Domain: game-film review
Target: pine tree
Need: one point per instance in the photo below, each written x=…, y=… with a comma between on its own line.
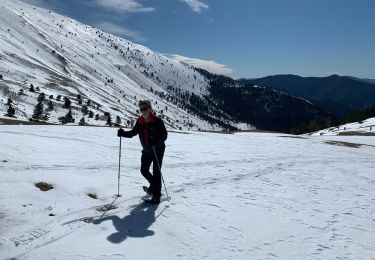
x=10, y=101
x=91, y=114
x=118, y=120
x=109, y=120
x=58, y=98
x=31, y=89
x=97, y=117
x=11, y=111
x=79, y=98
x=85, y=110
x=67, y=103
x=68, y=118
x=50, y=105
x=41, y=97
x=45, y=117
x=38, y=111
x=82, y=121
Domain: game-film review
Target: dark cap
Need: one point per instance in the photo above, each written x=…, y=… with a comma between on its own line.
x=144, y=103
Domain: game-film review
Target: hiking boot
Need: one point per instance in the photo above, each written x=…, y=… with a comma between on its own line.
x=155, y=199
x=147, y=190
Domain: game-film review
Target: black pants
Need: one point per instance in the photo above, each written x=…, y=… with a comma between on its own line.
x=148, y=157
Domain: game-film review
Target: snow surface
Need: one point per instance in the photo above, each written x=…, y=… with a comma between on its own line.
x=234, y=196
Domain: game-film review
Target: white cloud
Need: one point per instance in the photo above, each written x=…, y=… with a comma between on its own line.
x=47, y=4
x=208, y=65
x=33, y=2
x=195, y=5
x=116, y=29
x=126, y=6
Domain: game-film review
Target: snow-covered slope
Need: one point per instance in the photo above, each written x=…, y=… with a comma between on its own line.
x=365, y=127
x=270, y=197
x=63, y=57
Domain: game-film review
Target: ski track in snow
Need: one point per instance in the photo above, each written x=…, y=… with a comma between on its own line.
x=241, y=196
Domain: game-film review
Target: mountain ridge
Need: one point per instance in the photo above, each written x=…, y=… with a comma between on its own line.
x=337, y=94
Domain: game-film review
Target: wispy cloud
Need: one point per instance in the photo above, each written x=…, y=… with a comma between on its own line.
x=33, y=2
x=47, y=4
x=196, y=5
x=117, y=29
x=126, y=6
x=208, y=65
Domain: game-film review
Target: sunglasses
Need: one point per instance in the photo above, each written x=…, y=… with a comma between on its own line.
x=143, y=109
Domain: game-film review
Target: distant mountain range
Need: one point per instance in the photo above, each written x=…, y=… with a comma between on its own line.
x=371, y=81
x=337, y=94
x=264, y=107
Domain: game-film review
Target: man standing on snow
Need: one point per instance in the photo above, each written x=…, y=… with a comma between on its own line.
x=152, y=134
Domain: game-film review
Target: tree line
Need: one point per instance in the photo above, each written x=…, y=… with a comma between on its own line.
x=323, y=123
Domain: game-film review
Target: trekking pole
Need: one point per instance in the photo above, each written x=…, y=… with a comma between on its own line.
x=119, y=170
x=157, y=161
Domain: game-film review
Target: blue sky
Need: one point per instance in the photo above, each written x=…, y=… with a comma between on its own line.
x=243, y=38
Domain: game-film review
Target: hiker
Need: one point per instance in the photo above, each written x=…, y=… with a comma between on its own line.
x=152, y=134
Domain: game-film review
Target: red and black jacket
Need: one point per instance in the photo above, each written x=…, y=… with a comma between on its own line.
x=151, y=133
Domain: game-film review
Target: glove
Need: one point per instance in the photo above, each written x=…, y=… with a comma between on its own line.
x=120, y=132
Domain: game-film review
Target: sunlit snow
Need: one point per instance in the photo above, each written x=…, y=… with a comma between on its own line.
x=234, y=196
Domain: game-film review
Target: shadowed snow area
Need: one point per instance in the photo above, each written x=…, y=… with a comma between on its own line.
x=236, y=196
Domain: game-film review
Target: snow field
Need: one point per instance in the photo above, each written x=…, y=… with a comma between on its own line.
x=234, y=196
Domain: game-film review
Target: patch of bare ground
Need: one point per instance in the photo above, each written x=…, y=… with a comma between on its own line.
x=241, y=131
x=88, y=219
x=178, y=132
x=44, y=186
x=292, y=136
x=347, y=144
x=351, y=133
x=5, y=121
x=106, y=208
x=92, y=195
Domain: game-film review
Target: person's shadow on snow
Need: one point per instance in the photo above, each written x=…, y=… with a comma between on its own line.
x=136, y=224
